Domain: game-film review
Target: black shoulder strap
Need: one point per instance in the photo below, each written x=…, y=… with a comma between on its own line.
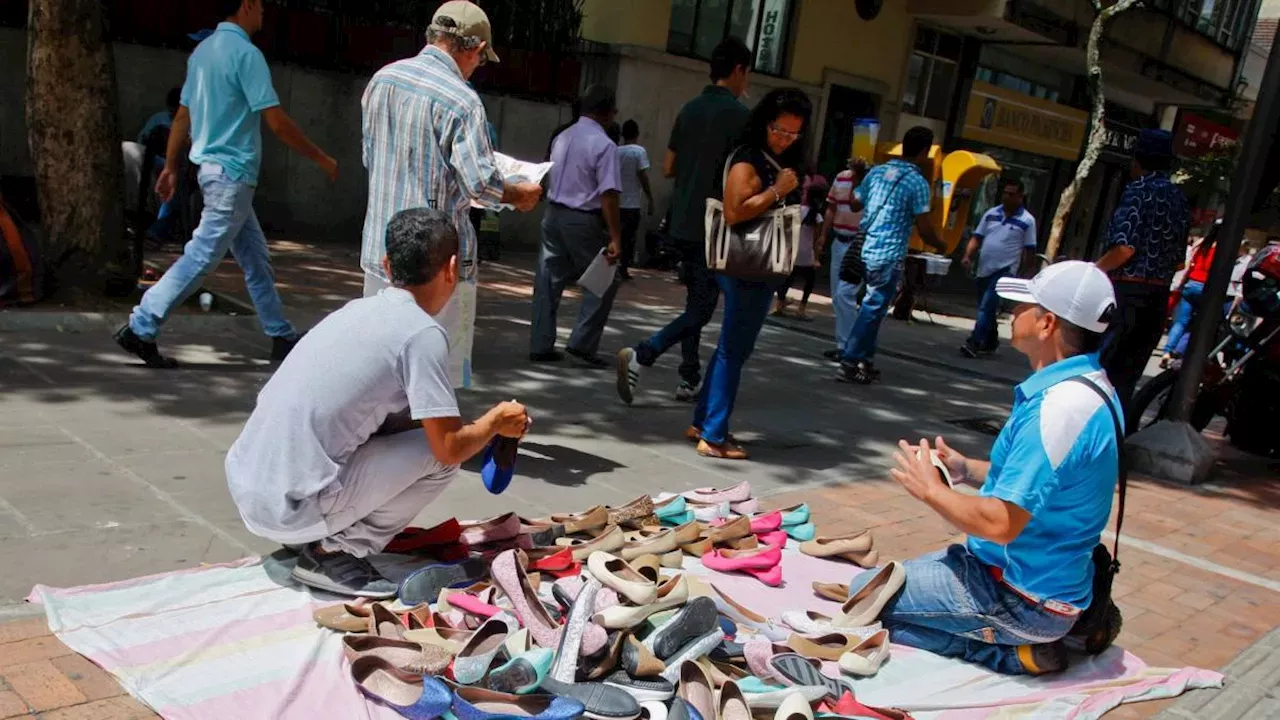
x=1124, y=466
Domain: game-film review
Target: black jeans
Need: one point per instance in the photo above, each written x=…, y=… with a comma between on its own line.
x=702, y=294
x=808, y=274
x=630, y=223
x=1133, y=335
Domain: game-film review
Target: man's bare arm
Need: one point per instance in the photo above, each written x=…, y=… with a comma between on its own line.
x=669, y=164
x=290, y=134
x=609, y=208
x=1115, y=258
x=453, y=443
x=929, y=234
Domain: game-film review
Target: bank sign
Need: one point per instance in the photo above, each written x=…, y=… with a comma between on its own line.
x=1006, y=118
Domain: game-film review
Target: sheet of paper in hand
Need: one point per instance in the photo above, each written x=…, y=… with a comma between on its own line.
x=518, y=171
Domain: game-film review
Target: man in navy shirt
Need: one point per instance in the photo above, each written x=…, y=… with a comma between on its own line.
x=1015, y=588
x=1146, y=241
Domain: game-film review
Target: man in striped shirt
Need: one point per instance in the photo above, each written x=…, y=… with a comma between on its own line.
x=426, y=144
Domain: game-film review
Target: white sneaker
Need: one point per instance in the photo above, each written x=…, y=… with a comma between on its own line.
x=686, y=392
x=628, y=374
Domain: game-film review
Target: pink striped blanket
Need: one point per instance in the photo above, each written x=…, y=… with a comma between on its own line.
x=237, y=641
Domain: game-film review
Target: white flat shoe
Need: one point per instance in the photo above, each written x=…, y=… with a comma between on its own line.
x=794, y=707
x=741, y=615
x=865, y=606
x=808, y=622
x=866, y=659
x=617, y=574
x=672, y=593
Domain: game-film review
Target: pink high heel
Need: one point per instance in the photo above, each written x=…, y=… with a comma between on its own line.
x=509, y=576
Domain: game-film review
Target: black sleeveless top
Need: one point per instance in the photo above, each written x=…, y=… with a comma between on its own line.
x=765, y=170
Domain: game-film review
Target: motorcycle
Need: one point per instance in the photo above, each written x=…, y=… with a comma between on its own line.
x=1241, y=379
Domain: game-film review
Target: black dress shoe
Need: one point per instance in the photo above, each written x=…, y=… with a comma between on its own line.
x=281, y=347
x=548, y=356
x=144, y=349
x=591, y=359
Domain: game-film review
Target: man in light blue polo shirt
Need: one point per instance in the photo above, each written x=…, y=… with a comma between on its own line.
x=1004, y=242
x=227, y=93
x=1007, y=597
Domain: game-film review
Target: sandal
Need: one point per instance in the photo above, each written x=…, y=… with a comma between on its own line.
x=729, y=450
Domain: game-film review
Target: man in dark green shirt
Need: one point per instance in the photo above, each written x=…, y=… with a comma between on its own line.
x=703, y=134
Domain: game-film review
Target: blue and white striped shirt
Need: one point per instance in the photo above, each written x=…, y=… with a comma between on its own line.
x=426, y=144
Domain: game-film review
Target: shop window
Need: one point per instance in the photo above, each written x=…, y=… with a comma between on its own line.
x=1224, y=21
x=697, y=26
x=1009, y=81
x=931, y=73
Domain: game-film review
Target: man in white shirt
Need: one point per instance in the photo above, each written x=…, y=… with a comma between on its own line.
x=325, y=461
x=633, y=162
x=1005, y=244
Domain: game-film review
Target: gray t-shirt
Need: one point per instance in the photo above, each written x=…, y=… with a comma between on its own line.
x=375, y=357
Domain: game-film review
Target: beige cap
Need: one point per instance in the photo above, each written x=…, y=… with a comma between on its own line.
x=466, y=20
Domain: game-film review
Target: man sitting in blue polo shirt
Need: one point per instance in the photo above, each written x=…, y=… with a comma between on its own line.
x=1007, y=597
x=226, y=96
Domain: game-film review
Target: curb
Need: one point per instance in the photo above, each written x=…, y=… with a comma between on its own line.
x=898, y=355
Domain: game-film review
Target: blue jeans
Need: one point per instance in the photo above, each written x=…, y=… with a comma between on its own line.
x=844, y=295
x=881, y=284
x=702, y=294
x=952, y=606
x=985, y=334
x=1182, y=315
x=227, y=223
x=746, y=304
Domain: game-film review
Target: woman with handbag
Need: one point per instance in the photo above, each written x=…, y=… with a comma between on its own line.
x=755, y=252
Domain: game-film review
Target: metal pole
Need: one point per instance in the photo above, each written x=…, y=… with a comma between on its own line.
x=1254, y=152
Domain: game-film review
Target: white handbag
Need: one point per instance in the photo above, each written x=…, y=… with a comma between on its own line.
x=763, y=248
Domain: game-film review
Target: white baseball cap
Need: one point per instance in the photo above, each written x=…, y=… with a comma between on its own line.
x=1075, y=291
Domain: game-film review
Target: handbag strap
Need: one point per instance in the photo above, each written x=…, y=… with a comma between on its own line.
x=1124, y=468
x=728, y=162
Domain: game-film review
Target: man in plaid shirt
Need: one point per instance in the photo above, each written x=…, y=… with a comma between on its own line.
x=894, y=198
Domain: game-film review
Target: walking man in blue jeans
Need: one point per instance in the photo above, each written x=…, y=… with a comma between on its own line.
x=227, y=93
x=1007, y=597
x=1005, y=242
x=893, y=198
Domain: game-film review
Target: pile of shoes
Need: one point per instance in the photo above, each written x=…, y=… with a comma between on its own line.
x=589, y=615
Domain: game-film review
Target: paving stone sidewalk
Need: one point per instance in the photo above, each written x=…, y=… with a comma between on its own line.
x=1200, y=582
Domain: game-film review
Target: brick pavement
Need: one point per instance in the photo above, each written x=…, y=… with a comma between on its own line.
x=1199, y=583
x=1202, y=606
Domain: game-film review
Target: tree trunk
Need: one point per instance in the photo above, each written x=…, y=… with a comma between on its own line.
x=75, y=141
x=1097, y=132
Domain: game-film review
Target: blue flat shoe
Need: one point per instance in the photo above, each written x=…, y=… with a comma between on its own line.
x=803, y=532
x=795, y=515
x=471, y=703
x=401, y=691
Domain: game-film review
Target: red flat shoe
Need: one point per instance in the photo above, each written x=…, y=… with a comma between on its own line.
x=412, y=539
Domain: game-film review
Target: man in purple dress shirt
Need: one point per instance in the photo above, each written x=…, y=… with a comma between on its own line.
x=583, y=189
